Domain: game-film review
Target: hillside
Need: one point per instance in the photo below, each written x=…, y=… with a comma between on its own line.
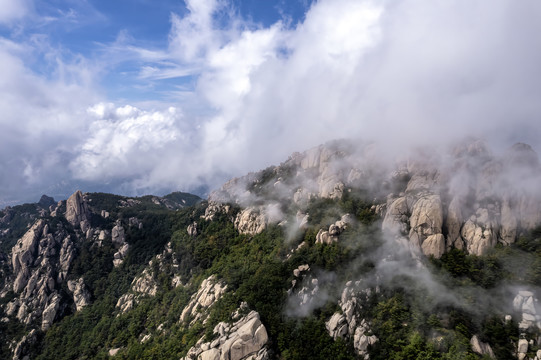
x=337, y=253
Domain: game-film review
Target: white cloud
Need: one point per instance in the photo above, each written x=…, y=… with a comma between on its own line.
x=400, y=72
x=124, y=142
x=397, y=71
x=12, y=10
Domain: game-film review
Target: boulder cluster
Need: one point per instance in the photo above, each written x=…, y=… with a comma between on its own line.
x=348, y=324
x=244, y=339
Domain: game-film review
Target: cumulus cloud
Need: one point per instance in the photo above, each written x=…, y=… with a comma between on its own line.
x=41, y=120
x=12, y=10
x=394, y=71
x=126, y=142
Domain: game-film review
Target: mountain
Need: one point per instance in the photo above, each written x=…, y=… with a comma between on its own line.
x=344, y=251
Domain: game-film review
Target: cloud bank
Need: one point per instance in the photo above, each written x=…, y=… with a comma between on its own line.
x=398, y=72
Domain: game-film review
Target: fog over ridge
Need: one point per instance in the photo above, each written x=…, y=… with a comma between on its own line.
x=398, y=73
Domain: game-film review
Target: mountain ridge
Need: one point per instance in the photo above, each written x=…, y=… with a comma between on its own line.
x=331, y=245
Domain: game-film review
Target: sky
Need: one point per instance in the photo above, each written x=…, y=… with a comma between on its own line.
x=138, y=96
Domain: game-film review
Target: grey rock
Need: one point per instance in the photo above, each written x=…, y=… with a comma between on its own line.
x=245, y=339
x=77, y=210
x=22, y=348
x=481, y=348
x=250, y=221
x=210, y=291
x=81, y=296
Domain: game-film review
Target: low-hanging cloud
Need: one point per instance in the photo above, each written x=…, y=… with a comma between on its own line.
x=399, y=72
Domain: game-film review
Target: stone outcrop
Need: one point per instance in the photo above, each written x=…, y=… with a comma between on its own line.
x=466, y=198
x=215, y=208
x=303, y=294
x=426, y=219
x=192, y=229
x=209, y=292
x=525, y=303
x=250, y=221
x=22, y=348
x=481, y=348
x=24, y=253
x=40, y=261
x=331, y=235
x=522, y=349
x=472, y=204
x=81, y=295
x=126, y=302
x=118, y=237
x=145, y=284
x=244, y=339
x=348, y=324
x=142, y=285
x=78, y=211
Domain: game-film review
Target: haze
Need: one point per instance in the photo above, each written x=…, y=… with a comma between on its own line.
x=185, y=95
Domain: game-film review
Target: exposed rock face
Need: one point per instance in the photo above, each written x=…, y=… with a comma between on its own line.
x=522, y=349
x=21, y=350
x=49, y=313
x=23, y=255
x=192, y=229
x=303, y=292
x=250, y=221
x=118, y=236
x=40, y=268
x=426, y=219
x=481, y=348
x=397, y=216
x=331, y=235
x=466, y=198
x=434, y=245
x=145, y=284
x=77, y=211
x=491, y=200
x=142, y=285
x=526, y=305
x=126, y=302
x=214, y=208
x=81, y=296
x=245, y=339
x=348, y=324
x=210, y=290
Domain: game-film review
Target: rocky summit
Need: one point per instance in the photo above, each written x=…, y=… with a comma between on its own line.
x=344, y=251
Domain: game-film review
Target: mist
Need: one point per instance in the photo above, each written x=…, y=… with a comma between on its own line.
x=397, y=73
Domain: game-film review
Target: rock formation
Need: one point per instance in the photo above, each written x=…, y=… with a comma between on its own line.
x=331, y=235
x=526, y=305
x=39, y=269
x=118, y=236
x=250, y=221
x=481, y=348
x=348, y=324
x=467, y=198
x=244, y=339
x=77, y=211
x=210, y=291
x=81, y=296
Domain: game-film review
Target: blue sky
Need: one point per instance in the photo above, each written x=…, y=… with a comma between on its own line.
x=141, y=96
x=101, y=31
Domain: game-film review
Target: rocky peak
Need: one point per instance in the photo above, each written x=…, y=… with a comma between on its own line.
x=46, y=201
x=78, y=211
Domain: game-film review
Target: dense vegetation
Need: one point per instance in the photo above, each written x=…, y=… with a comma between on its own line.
x=410, y=321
